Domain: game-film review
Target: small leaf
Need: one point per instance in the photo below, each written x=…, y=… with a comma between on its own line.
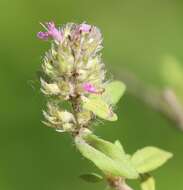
x=104, y=146
x=113, y=92
x=150, y=158
x=91, y=177
x=106, y=156
x=147, y=182
x=103, y=162
x=100, y=108
x=114, y=152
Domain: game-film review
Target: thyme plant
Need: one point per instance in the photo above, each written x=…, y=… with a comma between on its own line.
x=74, y=77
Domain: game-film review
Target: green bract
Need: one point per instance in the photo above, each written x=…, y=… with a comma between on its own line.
x=99, y=107
x=113, y=92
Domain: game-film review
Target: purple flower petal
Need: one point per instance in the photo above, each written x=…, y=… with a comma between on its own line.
x=88, y=87
x=52, y=32
x=42, y=35
x=85, y=28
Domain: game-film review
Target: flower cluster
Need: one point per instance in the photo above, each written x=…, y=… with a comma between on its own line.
x=74, y=69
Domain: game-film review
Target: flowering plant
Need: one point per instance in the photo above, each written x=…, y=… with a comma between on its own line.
x=74, y=75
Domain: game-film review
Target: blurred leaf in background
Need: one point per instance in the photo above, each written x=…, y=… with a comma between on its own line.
x=172, y=75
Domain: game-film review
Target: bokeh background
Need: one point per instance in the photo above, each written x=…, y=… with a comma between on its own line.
x=137, y=35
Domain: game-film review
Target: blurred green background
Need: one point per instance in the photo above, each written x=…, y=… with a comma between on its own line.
x=137, y=34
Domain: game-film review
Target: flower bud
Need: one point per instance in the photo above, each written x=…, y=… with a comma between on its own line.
x=49, y=89
x=58, y=119
x=66, y=117
x=84, y=117
x=69, y=127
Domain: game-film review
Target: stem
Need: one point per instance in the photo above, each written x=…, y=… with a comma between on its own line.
x=118, y=184
x=75, y=109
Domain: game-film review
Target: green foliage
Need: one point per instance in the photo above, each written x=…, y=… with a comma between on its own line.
x=113, y=92
x=147, y=182
x=112, y=160
x=120, y=147
x=149, y=158
x=100, y=108
x=104, y=163
x=91, y=177
x=106, y=156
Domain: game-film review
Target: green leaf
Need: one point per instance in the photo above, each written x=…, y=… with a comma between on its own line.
x=100, y=108
x=119, y=145
x=104, y=163
x=104, y=146
x=113, y=92
x=106, y=156
x=147, y=182
x=150, y=158
x=113, y=151
x=91, y=177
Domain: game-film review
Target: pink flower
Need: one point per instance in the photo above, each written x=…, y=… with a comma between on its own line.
x=42, y=35
x=52, y=32
x=85, y=28
x=88, y=87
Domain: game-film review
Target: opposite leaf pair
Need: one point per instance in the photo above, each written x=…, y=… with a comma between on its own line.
x=112, y=160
